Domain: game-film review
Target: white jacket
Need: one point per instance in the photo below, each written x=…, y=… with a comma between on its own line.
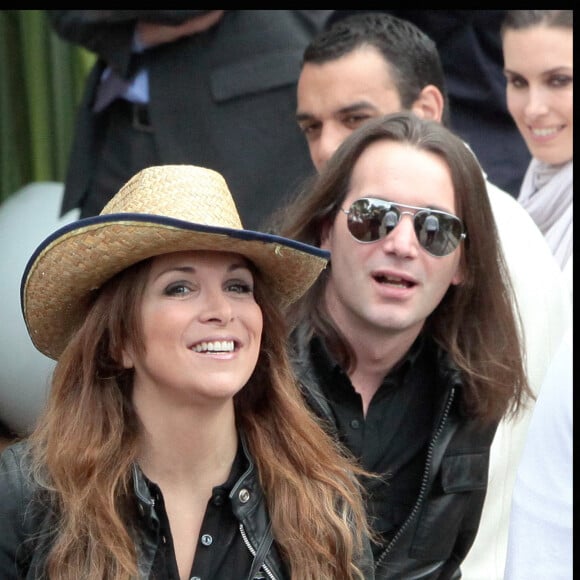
x=545, y=308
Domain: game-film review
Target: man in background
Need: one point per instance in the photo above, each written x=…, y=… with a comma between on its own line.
x=469, y=46
x=369, y=65
x=215, y=88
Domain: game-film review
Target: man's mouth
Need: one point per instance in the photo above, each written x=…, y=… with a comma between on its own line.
x=393, y=281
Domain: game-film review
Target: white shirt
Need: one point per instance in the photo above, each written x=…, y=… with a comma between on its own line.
x=540, y=532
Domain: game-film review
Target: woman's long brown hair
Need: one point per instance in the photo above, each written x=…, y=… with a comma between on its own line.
x=87, y=440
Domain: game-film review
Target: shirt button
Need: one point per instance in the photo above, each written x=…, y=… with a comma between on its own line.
x=244, y=495
x=355, y=424
x=206, y=540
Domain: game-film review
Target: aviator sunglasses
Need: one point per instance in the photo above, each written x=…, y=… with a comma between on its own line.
x=370, y=219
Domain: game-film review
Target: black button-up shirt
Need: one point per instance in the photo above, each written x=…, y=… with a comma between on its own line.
x=393, y=437
x=221, y=553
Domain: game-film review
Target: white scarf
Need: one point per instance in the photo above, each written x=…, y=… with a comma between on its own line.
x=547, y=194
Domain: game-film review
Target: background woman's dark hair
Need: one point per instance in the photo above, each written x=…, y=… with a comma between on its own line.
x=521, y=19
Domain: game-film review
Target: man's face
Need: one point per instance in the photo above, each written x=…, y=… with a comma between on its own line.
x=389, y=287
x=337, y=97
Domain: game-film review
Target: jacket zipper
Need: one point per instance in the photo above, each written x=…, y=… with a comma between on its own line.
x=423, y=489
x=253, y=552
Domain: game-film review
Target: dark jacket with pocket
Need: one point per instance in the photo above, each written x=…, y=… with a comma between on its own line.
x=441, y=527
x=223, y=99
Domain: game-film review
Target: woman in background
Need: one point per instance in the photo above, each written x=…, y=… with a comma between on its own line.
x=538, y=64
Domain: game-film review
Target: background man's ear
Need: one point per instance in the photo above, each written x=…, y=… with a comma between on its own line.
x=429, y=104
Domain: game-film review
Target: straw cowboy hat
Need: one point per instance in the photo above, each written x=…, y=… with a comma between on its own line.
x=160, y=210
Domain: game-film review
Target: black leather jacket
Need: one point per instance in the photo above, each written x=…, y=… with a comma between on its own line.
x=436, y=536
x=26, y=524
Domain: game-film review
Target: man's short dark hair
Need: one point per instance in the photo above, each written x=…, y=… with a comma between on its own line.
x=411, y=55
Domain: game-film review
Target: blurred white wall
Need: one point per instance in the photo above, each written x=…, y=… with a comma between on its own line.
x=26, y=219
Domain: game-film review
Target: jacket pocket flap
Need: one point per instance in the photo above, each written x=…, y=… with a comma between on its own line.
x=464, y=472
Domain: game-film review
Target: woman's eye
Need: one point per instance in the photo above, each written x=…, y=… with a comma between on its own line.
x=517, y=82
x=561, y=81
x=176, y=289
x=239, y=287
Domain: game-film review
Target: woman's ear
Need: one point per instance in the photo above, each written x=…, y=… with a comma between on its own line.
x=127, y=359
x=429, y=104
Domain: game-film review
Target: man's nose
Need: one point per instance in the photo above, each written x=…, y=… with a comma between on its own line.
x=331, y=137
x=402, y=239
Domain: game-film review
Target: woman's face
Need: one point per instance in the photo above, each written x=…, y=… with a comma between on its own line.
x=201, y=327
x=538, y=64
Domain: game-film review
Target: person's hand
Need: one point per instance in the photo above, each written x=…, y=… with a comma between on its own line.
x=151, y=34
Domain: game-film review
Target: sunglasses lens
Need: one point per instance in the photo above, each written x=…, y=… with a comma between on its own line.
x=439, y=234
x=370, y=220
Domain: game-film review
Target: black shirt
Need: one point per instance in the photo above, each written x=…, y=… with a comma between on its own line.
x=221, y=553
x=393, y=438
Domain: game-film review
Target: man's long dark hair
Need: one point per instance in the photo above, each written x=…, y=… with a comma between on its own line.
x=477, y=321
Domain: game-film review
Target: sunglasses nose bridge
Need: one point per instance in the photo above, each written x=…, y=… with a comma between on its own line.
x=411, y=215
x=400, y=237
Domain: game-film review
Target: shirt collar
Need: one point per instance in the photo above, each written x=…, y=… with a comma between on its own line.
x=326, y=365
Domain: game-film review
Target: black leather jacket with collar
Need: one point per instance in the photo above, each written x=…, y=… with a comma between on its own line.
x=437, y=534
x=26, y=525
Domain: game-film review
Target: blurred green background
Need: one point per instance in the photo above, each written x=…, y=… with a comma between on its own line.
x=41, y=83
